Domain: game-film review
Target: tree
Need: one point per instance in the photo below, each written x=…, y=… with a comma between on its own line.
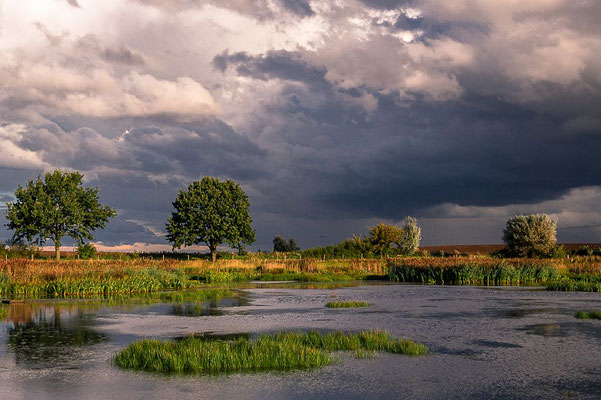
x=410, y=237
x=382, y=236
x=279, y=244
x=530, y=235
x=54, y=207
x=211, y=212
x=292, y=245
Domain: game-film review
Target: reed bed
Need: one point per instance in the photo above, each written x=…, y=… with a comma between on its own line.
x=281, y=352
x=3, y=312
x=347, y=304
x=588, y=315
x=494, y=273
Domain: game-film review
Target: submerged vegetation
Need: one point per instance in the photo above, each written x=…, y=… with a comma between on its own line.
x=588, y=315
x=347, y=304
x=281, y=351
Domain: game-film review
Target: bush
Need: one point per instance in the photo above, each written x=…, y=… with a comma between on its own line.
x=86, y=250
x=530, y=235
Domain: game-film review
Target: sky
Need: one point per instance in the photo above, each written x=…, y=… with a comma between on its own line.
x=332, y=115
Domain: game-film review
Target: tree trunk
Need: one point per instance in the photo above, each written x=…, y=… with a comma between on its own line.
x=213, y=249
x=57, y=249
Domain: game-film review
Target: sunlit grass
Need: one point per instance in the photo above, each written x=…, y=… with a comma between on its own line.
x=281, y=351
x=346, y=304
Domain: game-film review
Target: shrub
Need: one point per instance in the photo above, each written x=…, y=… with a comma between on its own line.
x=530, y=235
x=86, y=250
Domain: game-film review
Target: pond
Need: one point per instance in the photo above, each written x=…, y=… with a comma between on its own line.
x=486, y=342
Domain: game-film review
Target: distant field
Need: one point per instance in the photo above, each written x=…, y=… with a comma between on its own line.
x=489, y=248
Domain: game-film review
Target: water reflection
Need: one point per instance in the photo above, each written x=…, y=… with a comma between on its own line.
x=39, y=334
x=42, y=333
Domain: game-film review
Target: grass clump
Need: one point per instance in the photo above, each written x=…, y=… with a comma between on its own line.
x=588, y=315
x=346, y=304
x=278, y=352
x=3, y=312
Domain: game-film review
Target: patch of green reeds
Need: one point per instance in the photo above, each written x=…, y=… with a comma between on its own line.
x=346, y=304
x=139, y=281
x=281, y=351
x=573, y=282
x=3, y=312
x=588, y=315
x=473, y=274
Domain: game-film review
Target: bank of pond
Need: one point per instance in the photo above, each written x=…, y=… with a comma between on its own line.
x=23, y=278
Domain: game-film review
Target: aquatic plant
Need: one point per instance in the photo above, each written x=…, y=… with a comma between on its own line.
x=498, y=273
x=588, y=315
x=281, y=351
x=346, y=304
x=3, y=312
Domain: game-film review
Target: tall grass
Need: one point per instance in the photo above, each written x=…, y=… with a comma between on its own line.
x=498, y=273
x=574, y=282
x=282, y=351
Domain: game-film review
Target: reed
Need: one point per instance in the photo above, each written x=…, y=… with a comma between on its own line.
x=482, y=273
x=3, y=312
x=346, y=304
x=588, y=315
x=281, y=351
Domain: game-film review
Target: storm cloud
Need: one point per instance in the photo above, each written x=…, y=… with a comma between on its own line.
x=332, y=116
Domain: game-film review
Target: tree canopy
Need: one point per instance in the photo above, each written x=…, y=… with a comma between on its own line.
x=212, y=212
x=54, y=207
x=530, y=235
x=281, y=245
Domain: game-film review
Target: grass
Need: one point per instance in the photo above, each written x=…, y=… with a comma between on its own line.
x=346, y=304
x=577, y=282
x=482, y=273
x=588, y=315
x=3, y=312
x=278, y=352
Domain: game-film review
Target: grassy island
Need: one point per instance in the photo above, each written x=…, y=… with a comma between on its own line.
x=277, y=352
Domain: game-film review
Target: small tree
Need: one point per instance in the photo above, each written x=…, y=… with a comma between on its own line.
x=280, y=244
x=410, y=237
x=55, y=207
x=530, y=235
x=211, y=212
x=382, y=236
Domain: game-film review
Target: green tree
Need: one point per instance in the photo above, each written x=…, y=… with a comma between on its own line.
x=280, y=244
x=292, y=245
x=211, y=212
x=54, y=207
x=530, y=235
x=382, y=236
x=410, y=237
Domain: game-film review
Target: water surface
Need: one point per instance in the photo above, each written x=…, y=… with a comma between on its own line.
x=486, y=342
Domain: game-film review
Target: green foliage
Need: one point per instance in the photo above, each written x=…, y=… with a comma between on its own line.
x=211, y=212
x=346, y=304
x=473, y=274
x=282, y=351
x=86, y=251
x=382, y=236
x=588, y=315
x=55, y=207
x=410, y=237
x=530, y=235
x=577, y=283
x=281, y=245
x=558, y=251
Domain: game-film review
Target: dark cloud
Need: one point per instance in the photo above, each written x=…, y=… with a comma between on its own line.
x=298, y=7
x=274, y=64
x=123, y=55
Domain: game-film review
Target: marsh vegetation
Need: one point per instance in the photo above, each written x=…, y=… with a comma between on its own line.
x=281, y=351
